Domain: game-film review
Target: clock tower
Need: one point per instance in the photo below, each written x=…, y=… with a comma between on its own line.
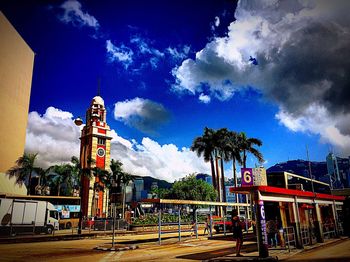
x=95, y=148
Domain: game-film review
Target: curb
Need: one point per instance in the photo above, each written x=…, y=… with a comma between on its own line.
x=222, y=259
x=116, y=248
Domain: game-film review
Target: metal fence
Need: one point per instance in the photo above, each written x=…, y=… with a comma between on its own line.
x=340, y=228
x=289, y=237
x=305, y=235
x=104, y=224
x=328, y=230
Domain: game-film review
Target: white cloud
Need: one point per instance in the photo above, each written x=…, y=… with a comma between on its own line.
x=145, y=47
x=73, y=14
x=217, y=21
x=292, y=69
x=121, y=54
x=204, y=98
x=55, y=138
x=178, y=53
x=166, y=162
x=317, y=120
x=142, y=114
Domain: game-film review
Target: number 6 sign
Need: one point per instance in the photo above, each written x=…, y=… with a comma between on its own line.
x=247, y=176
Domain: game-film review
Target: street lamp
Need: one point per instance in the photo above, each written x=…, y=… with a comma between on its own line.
x=78, y=121
x=113, y=201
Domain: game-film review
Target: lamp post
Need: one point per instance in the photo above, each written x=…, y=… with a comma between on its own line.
x=113, y=201
x=78, y=121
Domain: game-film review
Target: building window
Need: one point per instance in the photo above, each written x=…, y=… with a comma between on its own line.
x=101, y=141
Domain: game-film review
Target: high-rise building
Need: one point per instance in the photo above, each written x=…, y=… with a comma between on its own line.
x=139, y=187
x=16, y=69
x=95, y=152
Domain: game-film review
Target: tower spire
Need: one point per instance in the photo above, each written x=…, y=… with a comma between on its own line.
x=99, y=87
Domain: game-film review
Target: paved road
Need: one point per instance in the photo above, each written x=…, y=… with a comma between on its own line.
x=82, y=250
x=339, y=251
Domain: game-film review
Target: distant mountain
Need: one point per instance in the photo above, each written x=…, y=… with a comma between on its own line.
x=301, y=167
x=318, y=169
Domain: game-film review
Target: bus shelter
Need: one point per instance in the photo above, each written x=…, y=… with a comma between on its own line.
x=302, y=217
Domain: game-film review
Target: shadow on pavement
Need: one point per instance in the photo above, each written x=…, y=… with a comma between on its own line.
x=218, y=253
x=338, y=259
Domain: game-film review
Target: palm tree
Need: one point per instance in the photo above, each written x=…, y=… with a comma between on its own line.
x=247, y=146
x=204, y=145
x=233, y=147
x=221, y=137
x=79, y=172
x=64, y=176
x=117, y=171
x=23, y=169
x=42, y=188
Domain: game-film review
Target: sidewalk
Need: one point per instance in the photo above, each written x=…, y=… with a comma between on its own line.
x=275, y=254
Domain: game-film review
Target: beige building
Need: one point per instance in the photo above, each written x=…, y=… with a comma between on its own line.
x=16, y=69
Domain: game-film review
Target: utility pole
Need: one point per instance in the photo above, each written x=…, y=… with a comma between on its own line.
x=310, y=174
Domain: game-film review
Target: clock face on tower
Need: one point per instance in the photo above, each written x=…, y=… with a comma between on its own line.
x=101, y=152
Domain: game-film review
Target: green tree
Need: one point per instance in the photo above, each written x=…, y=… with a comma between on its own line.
x=22, y=171
x=190, y=188
x=221, y=152
x=162, y=193
x=205, y=145
x=63, y=176
x=79, y=172
x=233, y=149
x=43, y=183
x=247, y=146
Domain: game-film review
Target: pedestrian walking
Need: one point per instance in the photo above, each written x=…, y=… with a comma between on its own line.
x=207, y=225
x=193, y=228
x=237, y=232
x=271, y=230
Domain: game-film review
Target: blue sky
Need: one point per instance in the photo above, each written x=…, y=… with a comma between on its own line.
x=170, y=68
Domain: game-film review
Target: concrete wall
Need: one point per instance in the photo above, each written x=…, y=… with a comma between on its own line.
x=16, y=69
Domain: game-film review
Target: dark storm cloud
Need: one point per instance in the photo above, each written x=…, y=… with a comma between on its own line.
x=313, y=66
x=302, y=63
x=143, y=114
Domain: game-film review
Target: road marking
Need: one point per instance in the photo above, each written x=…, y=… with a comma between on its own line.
x=189, y=245
x=107, y=257
x=117, y=256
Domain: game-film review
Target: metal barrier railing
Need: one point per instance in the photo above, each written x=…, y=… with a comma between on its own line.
x=289, y=236
x=305, y=235
x=328, y=230
x=192, y=229
x=340, y=228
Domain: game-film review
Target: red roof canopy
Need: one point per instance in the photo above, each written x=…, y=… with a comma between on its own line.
x=284, y=191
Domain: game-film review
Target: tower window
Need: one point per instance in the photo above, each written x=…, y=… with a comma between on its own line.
x=101, y=141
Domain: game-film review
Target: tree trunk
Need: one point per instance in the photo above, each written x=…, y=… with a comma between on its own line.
x=218, y=185
x=124, y=194
x=213, y=172
x=29, y=182
x=213, y=178
x=223, y=183
x=217, y=178
x=244, y=159
x=235, y=177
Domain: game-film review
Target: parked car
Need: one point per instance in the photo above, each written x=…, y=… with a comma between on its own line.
x=218, y=223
